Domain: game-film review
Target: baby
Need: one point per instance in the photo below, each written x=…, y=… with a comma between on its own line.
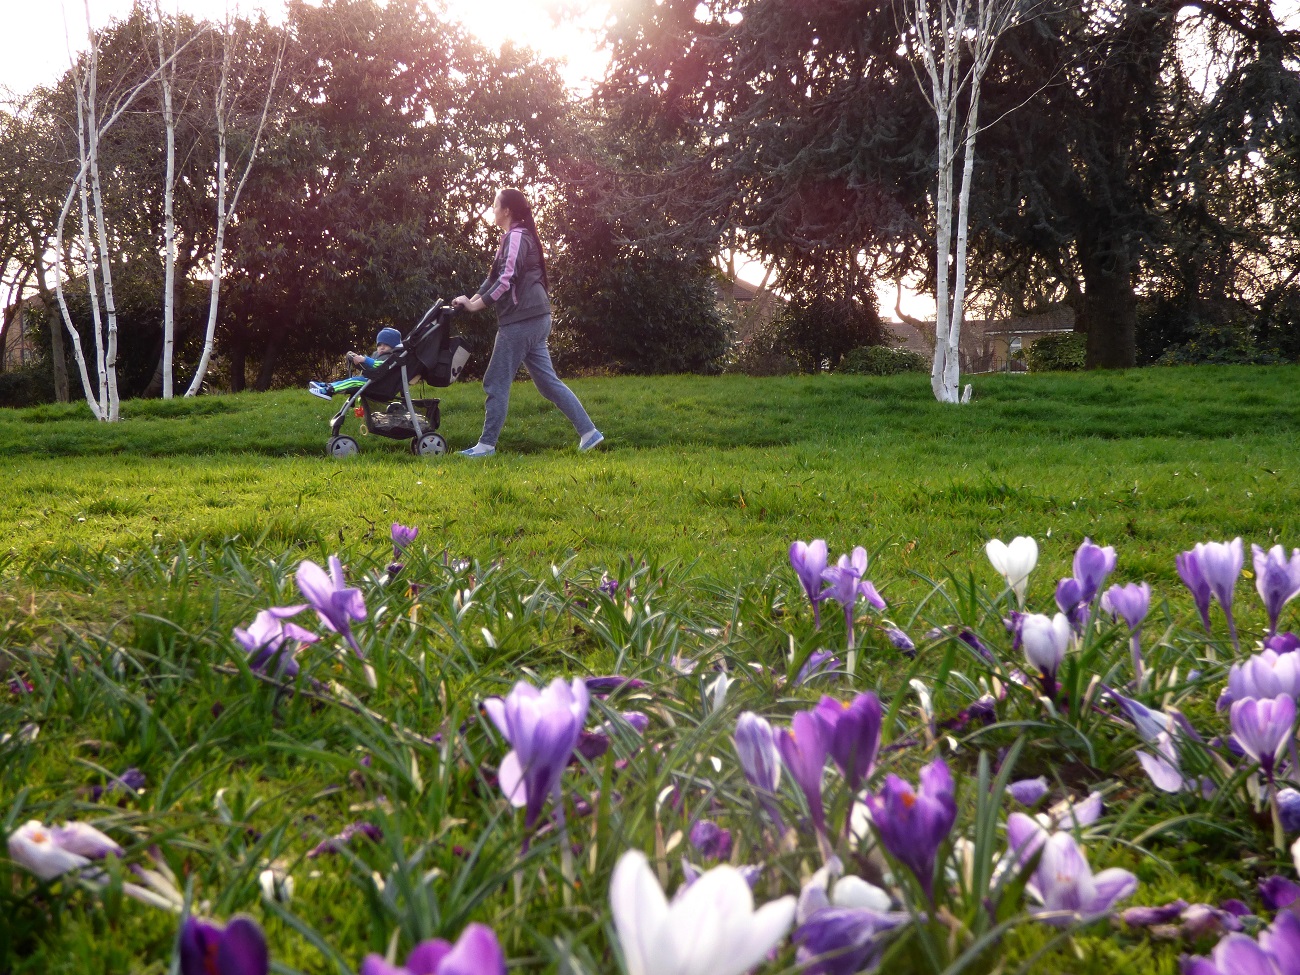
x=385, y=342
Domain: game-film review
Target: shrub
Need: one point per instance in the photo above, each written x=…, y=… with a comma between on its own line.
x=1057, y=353
x=28, y=386
x=881, y=360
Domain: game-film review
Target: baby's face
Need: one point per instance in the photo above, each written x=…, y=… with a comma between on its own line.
x=383, y=349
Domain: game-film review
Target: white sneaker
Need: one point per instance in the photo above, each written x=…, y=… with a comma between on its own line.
x=479, y=450
x=594, y=439
x=318, y=389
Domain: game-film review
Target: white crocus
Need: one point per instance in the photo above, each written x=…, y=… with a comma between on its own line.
x=1014, y=562
x=711, y=928
x=34, y=847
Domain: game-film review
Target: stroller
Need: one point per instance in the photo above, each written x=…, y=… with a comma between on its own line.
x=386, y=407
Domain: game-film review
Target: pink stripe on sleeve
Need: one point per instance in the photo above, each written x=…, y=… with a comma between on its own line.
x=508, y=270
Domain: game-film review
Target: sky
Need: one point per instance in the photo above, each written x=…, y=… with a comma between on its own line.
x=34, y=39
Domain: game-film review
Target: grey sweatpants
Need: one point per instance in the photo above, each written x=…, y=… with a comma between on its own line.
x=524, y=343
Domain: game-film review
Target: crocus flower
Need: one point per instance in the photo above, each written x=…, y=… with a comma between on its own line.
x=1092, y=563
x=132, y=781
x=336, y=843
x=1193, y=576
x=855, y=738
x=900, y=640
x=335, y=604
x=1263, y=728
x=1282, y=643
x=1276, y=953
x=803, y=747
x=1264, y=675
x=1028, y=792
x=50, y=852
x=613, y=682
x=1069, y=599
x=711, y=840
x=1277, y=579
x=1162, y=767
x=808, y=559
x=237, y=949
x=1221, y=565
x=844, y=940
x=1288, y=809
x=265, y=637
x=1130, y=603
x=759, y=760
x=710, y=929
x=476, y=952
x=402, y=537
x=1063, y=883
x=818, y=662
x=1014, y=562
x=542, y=728
x=845, y=583
x=913, y=823
x=1146, y=917
x=1045, y=639
x=1277, y=892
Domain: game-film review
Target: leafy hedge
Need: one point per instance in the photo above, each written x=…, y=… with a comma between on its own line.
x=881, y=360
x=1057, y=353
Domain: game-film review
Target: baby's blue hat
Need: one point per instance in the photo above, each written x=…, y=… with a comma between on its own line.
x=389, y=336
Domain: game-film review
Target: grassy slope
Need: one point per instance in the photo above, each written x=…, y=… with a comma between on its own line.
x=720, y=471
x=120, y=630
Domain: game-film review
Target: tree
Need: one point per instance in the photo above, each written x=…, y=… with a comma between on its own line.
x=940, y=36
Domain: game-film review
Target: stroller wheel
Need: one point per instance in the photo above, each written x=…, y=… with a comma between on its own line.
x=341, y=447
x=429, y=445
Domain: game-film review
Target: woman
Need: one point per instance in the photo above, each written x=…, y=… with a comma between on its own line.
x=517, y=287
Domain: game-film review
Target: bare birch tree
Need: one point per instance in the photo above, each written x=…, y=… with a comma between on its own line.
x=225, y=107
x=105, y=405
x=169, y=218
x=955, y=41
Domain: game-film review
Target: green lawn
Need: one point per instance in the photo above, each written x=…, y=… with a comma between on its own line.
x=134, y=549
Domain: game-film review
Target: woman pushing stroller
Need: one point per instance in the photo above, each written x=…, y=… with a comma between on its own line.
x=517, y=288
x=385, y=341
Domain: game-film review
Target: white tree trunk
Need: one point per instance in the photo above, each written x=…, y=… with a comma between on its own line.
x=101, y=229
x=952, y=377
x=169, y=220
x=224, y=213
x=88, y=250
x=87, y=389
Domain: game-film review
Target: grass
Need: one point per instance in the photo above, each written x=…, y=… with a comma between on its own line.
x=134, y=549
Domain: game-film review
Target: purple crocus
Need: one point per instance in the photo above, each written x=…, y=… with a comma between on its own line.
x=1263, y=728
x=403, y=536
x=613, y=682
x=818, y=663
x=1069, y=598
x=542, y=728
x=1282, y=643
x=338, y=842
x=901, y=641
x=264, y=640
x=1130, y=603
x=132, y=780
x=1277, y=579
x=913, y=823
x=1277, y=892
x=1193, y=576
x=759, y=760
x=335, y=604
x=1220, y=564
x=808, y=559
x=1265, y=674
x=711, y=840
x=1028, y=792
x=1276, y=953
x=237, y=949
x=1067, y=887
x=844, y=940
x=1288, y=809
x=803, y=747
x=1092, y=563
x=476, y=952
x=855, y=737
x=844, y=584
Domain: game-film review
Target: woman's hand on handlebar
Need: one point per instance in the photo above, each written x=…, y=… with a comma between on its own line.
x=463, y=303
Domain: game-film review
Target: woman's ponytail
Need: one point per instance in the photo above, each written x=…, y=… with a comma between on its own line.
x=515, y=201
